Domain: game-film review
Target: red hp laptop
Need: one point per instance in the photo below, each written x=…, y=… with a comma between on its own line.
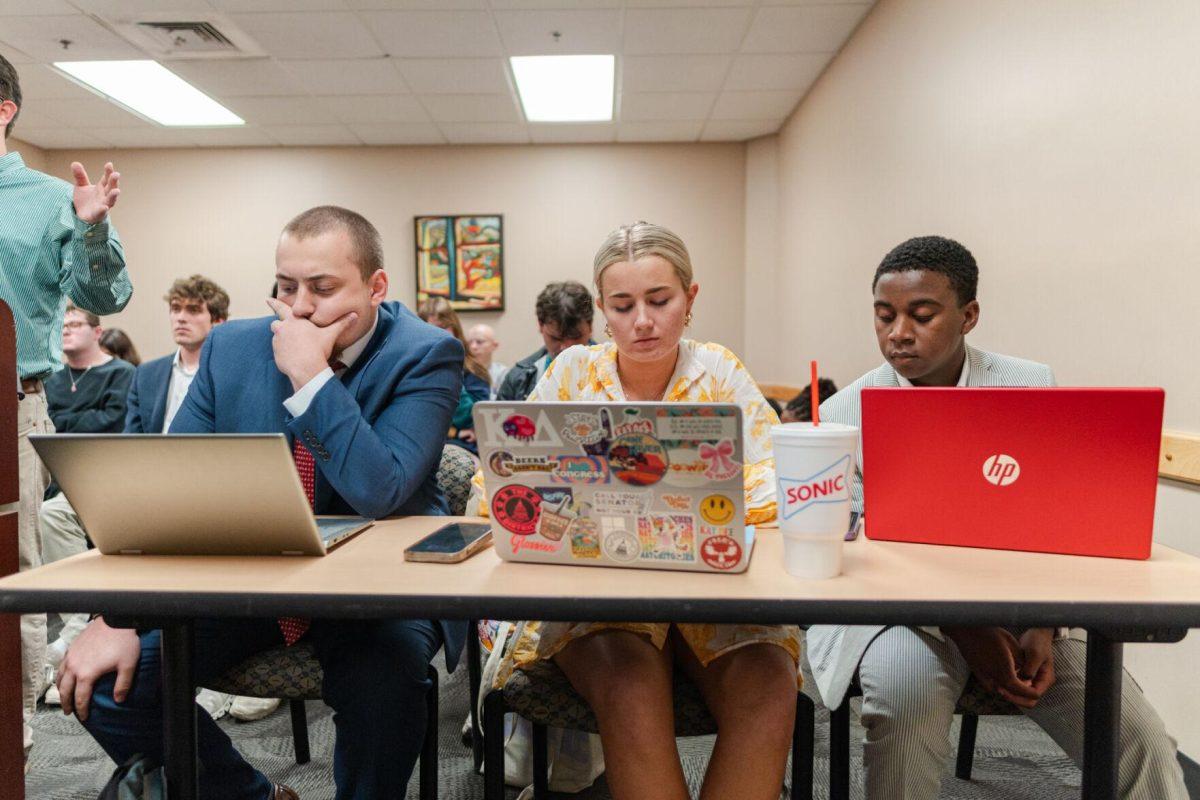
x=1070, y=471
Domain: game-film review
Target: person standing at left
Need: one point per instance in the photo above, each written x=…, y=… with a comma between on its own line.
x=55, y=242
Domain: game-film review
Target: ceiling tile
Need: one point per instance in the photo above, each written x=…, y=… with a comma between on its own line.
x=755, y=105
x=148, y=136
x=416, y=5
x=347, y=76
x=61, y=138
x=802, y=29
x=673, y=73
x=738, y=130
x=277, y=110
x=241, y=78
x=658, y=106
x=529, y=33
x=35, y=8
x=90, y=111
x=556, y=4
x=34, y=116
x=484, y=133
x=446, y=34
x=399, y=133
x=129, y=10
x=659, y=131
x=572, y=133
x=245, y=136
x=279, y=5
x=471, y=108
x=455, y=75
x=40, y=37
x=311, y=35
x=16, y=56
x=374, y=108
x=664, y=31
x=788, y=71
x=39, y=82
x=312, y=135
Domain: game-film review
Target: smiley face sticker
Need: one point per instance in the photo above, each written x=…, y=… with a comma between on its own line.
x=716, y=509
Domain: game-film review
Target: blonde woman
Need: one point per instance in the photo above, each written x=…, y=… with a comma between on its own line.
x=748, y=674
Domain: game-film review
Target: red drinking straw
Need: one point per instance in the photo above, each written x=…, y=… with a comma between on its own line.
x=814, y=398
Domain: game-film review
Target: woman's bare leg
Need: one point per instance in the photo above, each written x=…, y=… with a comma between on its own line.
x=627, y=682
x=751, y=692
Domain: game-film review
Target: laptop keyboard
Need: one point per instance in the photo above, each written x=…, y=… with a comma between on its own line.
x=331, y=529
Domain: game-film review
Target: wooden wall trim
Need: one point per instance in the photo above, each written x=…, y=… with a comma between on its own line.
x=1179, y=458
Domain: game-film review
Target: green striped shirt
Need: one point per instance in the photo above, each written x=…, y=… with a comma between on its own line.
x=47, y=255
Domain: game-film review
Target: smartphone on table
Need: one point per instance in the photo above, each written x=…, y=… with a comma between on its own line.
x=451, y=543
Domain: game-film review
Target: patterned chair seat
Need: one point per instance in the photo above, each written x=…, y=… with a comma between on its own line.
x=291, y=673
x=543, y=695
x=980, y=702
x=454, y=474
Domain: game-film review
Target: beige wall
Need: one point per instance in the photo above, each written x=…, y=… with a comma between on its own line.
x=34, y=157
x=1057, y=141
x=219, y=212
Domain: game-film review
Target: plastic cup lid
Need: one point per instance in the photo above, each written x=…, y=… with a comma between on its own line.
x=806, y=430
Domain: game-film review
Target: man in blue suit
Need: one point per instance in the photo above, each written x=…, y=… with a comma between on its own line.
x=157, y=390
x=365, y=390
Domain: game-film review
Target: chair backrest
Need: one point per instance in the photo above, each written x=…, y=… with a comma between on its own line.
x=454, y=475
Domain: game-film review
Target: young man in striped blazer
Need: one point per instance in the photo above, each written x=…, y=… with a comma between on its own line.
x=911, y=678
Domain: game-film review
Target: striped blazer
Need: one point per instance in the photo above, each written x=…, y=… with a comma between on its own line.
x=834, y=650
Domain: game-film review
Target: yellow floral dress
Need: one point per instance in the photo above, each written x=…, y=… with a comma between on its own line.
x=704, y=372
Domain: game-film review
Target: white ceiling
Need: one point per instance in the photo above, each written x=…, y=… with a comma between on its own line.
x=383, y=72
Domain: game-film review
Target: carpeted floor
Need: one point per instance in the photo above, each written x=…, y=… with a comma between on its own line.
x=1014, y=759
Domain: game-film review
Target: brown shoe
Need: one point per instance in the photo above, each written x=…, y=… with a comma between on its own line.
x=284, y=793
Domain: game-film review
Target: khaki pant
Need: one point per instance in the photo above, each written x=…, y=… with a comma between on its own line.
x=62, y=537
x=32, y=417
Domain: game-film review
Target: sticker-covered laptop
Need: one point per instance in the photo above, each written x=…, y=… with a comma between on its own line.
x=617, y=484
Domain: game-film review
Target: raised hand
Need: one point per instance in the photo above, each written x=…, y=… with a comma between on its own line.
x=302, y=348
x=92, y=201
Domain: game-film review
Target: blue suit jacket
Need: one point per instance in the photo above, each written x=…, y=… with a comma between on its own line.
x=146, y=406
x=376, y=435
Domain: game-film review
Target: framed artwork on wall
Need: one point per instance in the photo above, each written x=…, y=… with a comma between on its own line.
x=461, y=257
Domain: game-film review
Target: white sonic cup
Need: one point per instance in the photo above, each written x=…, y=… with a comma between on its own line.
x=814, y=465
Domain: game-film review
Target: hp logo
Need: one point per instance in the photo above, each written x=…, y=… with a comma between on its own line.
x=1001, y=469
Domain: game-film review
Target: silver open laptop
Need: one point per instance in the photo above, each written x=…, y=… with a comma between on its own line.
x=210, y=494
x=619, y=484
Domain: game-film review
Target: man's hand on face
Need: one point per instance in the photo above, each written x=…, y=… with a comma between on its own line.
x=994, y=656
x=303, y=349
x=93, y=201
x=97, y=651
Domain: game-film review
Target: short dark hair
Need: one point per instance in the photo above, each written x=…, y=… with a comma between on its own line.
x=91, y=318
x=10, y=89
x=935, y=254
x=801, y=404
x=368, y=247
x=567, y=304
x=198, y=287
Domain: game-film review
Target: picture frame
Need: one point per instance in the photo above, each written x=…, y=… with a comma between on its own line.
x=460, y=257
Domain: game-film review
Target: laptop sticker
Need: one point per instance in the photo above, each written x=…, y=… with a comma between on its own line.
x=677, y=502
x=580, y=469
x=625, y=503
x=515, y=508
x=585, y=538
x=667, y=537
x=582, y=428
x=637, y=459
x=718, y=460
x=555, y=514
x=717, y=509
x=721, y=552
x=505, y=464
x=621, y=545
x=519, y=427
x=685, y=468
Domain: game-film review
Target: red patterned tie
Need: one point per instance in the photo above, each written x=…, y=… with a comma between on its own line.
x=295, y=627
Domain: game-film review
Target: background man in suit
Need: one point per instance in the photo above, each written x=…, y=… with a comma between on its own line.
x=148, y=404
x=365, y=391
x=911, y=678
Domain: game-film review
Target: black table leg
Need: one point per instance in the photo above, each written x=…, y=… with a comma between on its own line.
x=1102, y=717
x=179, y=711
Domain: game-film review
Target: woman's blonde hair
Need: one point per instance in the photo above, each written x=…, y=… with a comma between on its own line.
x=641, y=239
x=439, y=308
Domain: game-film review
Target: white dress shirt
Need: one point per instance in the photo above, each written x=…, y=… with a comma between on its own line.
x=298, y=403
x=181, y=379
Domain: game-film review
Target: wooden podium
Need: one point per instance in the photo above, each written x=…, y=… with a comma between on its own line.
x=12, y=760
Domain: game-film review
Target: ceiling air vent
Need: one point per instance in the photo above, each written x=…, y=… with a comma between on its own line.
x=171, y=35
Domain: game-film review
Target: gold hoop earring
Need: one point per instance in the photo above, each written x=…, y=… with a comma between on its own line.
x=687, y=320
x=607, y=330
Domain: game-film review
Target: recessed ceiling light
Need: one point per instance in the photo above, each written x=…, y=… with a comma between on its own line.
x=565, y=88
x=151, y=90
